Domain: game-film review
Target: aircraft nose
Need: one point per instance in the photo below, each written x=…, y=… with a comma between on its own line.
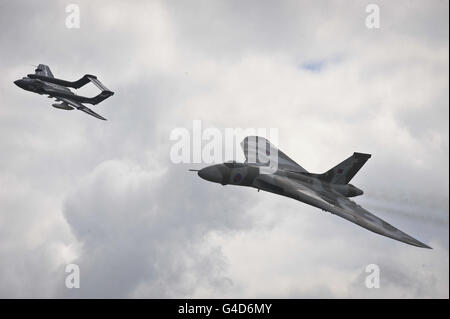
x=211, y=174
x=19, y=83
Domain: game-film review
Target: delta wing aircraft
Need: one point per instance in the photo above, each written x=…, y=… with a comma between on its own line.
x=43, y=82
x=279, y=174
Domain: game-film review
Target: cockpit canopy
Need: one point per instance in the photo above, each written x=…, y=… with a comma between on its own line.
x=233, y=164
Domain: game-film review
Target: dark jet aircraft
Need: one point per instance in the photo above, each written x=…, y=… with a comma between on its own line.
x=267, y=168
x=43, y=82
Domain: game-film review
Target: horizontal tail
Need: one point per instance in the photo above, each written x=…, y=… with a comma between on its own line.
x=344, y=172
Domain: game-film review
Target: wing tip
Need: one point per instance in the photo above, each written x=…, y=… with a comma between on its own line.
x=414, y=242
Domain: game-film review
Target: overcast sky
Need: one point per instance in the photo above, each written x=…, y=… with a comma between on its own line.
x=106, y=196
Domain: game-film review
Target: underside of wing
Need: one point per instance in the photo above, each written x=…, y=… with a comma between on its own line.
x=353, y=212
x=260, y=151
x=345, y=208
x=90, y=112
x=81, y=107
x=335, y=204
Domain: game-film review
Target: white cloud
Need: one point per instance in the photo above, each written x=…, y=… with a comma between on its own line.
x=105, y=195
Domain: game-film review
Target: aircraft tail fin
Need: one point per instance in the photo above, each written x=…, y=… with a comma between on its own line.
x=43, y=70
x=346, y=170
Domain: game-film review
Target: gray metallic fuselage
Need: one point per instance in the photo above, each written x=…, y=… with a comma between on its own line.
x=281, y=182
x=243, y=174
x=42, y=87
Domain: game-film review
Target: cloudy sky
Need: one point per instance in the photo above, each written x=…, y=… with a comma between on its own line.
x=107, y=197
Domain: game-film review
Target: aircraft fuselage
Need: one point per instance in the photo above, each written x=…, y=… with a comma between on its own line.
x=243, y=174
